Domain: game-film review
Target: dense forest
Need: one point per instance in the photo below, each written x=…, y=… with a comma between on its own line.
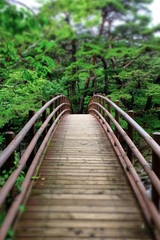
x=78, y=48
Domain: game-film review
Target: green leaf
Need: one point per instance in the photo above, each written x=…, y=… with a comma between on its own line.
x=22, y=208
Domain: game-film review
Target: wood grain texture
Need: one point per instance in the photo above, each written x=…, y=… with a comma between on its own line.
x=81, y=192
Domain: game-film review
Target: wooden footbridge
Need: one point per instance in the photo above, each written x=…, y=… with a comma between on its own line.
x=79, y=182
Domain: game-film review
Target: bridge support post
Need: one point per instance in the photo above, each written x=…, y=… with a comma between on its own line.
x=65, y=101
x=9, y=136
x=96, y=100
x=44, y=117
x=31, y=133
x=130, y=134
x=109, y=110
x=117, y=119
x=104, y=103
x=99, y=101
x=56, y=105
x=51, y=110
x=156, y=169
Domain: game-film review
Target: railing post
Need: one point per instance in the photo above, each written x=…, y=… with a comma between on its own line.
x=65, y=101
x=9, y=136
x=56, y=104
x=51, y=110
x=31, y=135
x=94, y=100
x=104, y=105
x=109, y=110
x=44, y=117
x=130, y=134
x=156, y=169
x=117, y=119
x=60, y=101
x=99, y=101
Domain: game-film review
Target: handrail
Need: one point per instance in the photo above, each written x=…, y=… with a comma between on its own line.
x=155, y=147
x=17, y=140
x=96, y=106
x=136, y=152
x=60, y=110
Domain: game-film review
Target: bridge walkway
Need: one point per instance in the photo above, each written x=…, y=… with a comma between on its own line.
x=82, y=192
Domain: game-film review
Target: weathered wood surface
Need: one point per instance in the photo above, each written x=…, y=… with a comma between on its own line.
x=82, y=192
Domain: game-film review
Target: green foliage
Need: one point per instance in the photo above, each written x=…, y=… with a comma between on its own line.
x=52, y=52
x=22, y=208
x=35, y=177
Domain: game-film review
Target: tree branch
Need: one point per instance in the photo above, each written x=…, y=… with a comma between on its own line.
x=131, y=61
x=30, y=47
x=17, y=83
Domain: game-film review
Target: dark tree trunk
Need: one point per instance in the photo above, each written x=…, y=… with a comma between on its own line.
x=73, y=83
x=148, y=103
x=105, y=76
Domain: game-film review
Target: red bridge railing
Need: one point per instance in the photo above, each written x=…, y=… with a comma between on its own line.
x=30, y=158
x=150, y=206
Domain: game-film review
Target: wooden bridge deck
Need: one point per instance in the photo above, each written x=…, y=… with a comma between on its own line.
x=82, y=192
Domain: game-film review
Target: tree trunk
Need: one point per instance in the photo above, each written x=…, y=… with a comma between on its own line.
x=148, y=103
x=73, y=83
x=118, y=81
x=105, y=76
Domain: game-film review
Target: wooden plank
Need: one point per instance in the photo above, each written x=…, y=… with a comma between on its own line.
x=79, y=232
x=82, y=196
x=99, y=174
x=82, y=167
x=91, y=209
x=82, y=216
x=79, y=164
x=109, y=179
x=99, y=187
x=82, y=191
x=80, y=202
x=80, y=178
x=83, y=224
x=78, y=238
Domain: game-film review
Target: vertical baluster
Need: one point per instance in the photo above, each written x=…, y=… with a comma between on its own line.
x=117, y=119
x=109, y=110
x=51, y=110
x=104, y=105
x=44, y=117
x=94, y=100
x=156, y=169
x=65, y=101
x=9, y=136
x=98, y=101
x=56, y=104
x=31, y=135
x=130, y=134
